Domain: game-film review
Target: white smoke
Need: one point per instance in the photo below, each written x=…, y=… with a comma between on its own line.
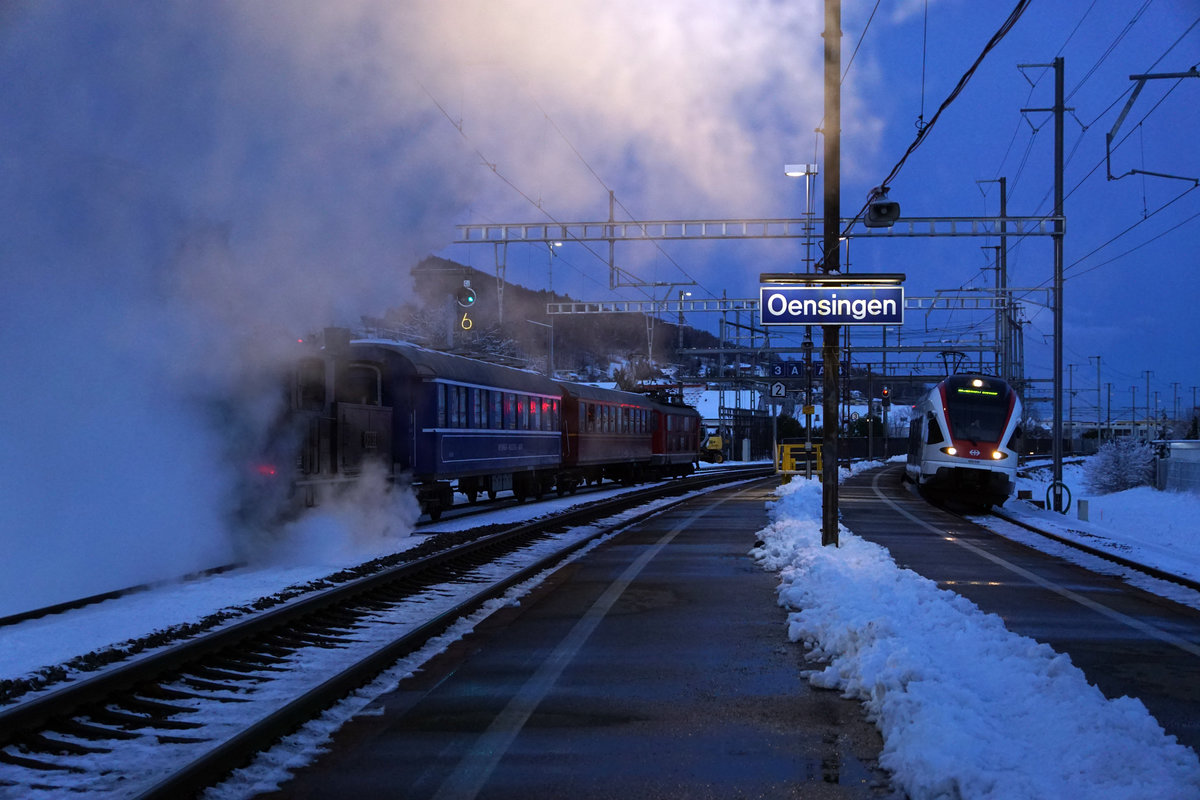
x=187, y=186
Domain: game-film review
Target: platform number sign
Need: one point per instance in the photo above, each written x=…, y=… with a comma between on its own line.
x=466, y=300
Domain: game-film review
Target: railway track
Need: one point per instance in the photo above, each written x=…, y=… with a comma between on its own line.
x=458, y=514
x=1072, y=543
x=1098, y=552
x=170, y=721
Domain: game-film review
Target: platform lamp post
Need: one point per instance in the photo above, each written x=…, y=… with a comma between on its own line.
x=808, y=172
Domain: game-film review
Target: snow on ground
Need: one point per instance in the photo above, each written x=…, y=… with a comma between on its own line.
x=38, y=643
x=1158, y=529
x=967, y=708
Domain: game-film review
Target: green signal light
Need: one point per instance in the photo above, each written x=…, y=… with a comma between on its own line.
x=466, y=297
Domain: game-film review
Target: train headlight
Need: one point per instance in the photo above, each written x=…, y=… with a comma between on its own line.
x=997, y=455
x=950, y=451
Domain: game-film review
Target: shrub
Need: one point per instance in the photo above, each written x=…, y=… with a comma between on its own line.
x=1119, y=465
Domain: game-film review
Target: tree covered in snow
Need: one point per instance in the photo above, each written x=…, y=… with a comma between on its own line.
x=1122, y=463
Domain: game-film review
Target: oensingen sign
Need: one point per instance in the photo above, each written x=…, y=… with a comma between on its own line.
x=831, y=305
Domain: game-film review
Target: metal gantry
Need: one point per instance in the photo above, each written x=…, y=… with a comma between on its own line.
x=981, y=300
x=725, y=229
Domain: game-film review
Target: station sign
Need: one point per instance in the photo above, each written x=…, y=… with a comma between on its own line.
x=787, y=369
x=831, y=305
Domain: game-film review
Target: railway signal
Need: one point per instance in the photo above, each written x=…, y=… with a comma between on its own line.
x=465, y=295
x=466, y=299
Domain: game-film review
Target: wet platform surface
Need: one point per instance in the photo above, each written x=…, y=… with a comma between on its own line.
x=1128, y=642
x=656, y=667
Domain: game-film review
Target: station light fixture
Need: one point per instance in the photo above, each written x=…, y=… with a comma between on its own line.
x=799, y=170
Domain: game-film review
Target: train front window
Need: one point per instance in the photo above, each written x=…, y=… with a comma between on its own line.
x=977, y=416
x=933, y=434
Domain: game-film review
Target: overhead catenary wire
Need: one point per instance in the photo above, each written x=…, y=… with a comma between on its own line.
x=924, y=131
x=617, y=200
x=1073, y=268
x=506, y=180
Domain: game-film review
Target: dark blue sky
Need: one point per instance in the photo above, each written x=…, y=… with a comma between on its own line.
x=282, y=164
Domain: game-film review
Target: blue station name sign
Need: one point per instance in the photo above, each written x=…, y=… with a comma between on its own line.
x=831, y=305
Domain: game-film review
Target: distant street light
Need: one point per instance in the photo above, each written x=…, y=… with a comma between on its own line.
x=682, y=295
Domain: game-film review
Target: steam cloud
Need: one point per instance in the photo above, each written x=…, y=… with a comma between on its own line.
x=187, y=185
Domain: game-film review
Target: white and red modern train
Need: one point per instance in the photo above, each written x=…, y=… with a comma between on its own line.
x=961, y=441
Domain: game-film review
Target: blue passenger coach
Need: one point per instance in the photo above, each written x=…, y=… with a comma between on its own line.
x=489, y=427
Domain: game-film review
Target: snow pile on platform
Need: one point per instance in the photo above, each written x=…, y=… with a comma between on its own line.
x=967, y=708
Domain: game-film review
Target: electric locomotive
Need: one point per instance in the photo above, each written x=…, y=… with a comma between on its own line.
x=961, y=441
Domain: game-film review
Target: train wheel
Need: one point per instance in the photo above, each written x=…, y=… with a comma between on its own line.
x=491, y=494
x=435, y=512
x=472, y=496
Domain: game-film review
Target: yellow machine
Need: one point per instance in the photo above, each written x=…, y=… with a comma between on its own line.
x=713, y=450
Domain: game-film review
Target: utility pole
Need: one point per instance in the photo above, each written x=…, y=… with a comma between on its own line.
x=1133, y=407
x=1058, y=279
x=830, y=230
x=1003, y=322
x=1097, y=397
x=1149, y=419
x=1175, y=406
x=1056, y=445
x=1071, y=408
x=1108, y=414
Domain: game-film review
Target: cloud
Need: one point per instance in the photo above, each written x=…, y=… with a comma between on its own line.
x=188, y=184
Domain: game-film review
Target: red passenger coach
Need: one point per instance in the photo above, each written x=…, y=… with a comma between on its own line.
x=676, y=439
x=607, y=434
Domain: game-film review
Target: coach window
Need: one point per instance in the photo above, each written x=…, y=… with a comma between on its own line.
x=310, y=385
x=439, y=392
x=510, y=411
x=934, y=433
x=360, y=383
x=476, y=409
x=496, y=418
